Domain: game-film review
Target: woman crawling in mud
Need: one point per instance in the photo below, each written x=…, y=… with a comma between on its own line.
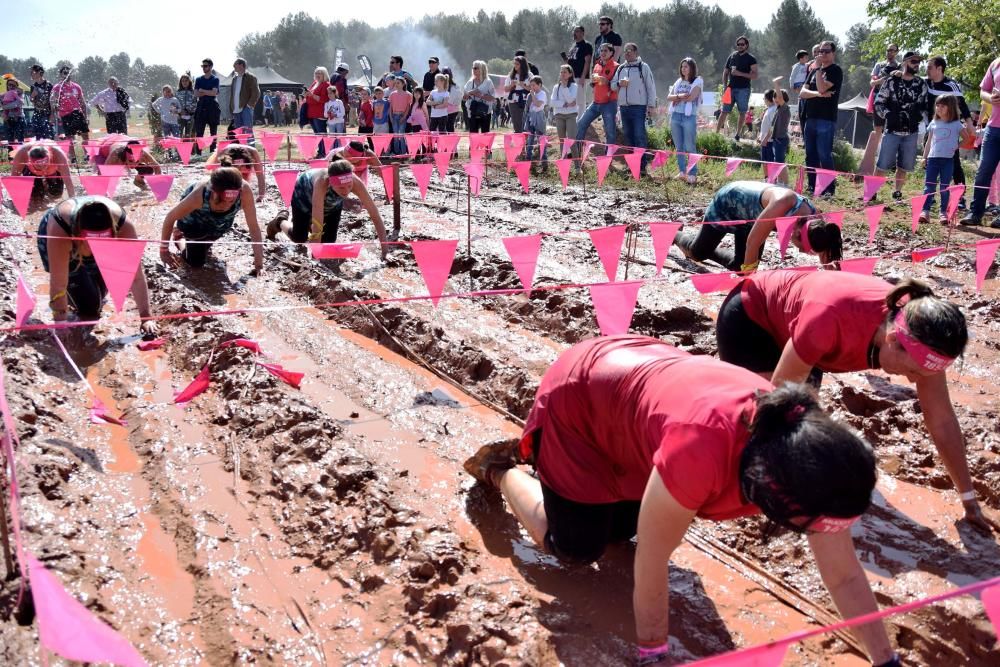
x=631, y=436
x=760, y=204
x=360, y=156
x=206, y=212
x=75, y=281
x=244, y=158
x=117, y=149
x=785, y=325
x=47, y=163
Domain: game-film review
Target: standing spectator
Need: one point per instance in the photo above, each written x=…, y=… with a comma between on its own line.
x=810, y=66
x=766, y=125
x=580, y=58
x=989, y=93
x=944, y=133
x=902, y=103
x=155, y=122
x=480, y=97
x=821, y=94
x=685, y=98
x=366, y=113
x=400, y=102
x=740, y=70
x=339, y=81
x=437, y=100
x=565, y=106
x=534, y=123
x=335, y=113
x=316, y=99
x=517, y=91
x=71, y=108
x=207, y=112
x=113, y=103
x=605, y=102
x=938, y=84
x=454, y=99
x=13, y=111
x=521, y=53
x=189, y=104
x=169, y=108
x=799, y=71
x=779, y=130
x=432, y=70
x=41, y=98
x=880, y=73
x=633, y=81
x=396, y=71
x=246, y=94
x=268, y=102
x=607, y=35
x=380, y=112
x=417, y=120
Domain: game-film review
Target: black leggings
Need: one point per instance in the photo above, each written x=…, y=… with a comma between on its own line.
x=302, y=224
x=439, y=124
x=86, y=291
x=480, y=124
x=704, y=244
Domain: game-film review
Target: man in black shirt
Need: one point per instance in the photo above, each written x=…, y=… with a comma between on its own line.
x=432, y=70
x=740, y=70
x=608, y=36
x=41, y=97
x=821, y=94
x=581, y=59
x=939, y=84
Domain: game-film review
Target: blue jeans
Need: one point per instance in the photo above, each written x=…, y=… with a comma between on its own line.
x=634, y=128
x=534, y=125
x=767, y=152
x=607, y=113
x=819, y=150
x=939, y=169
x=989, y=157
x=741, y=100
x=244, y=119
x=779, y=147
x=398, y=122
x=684, y=132
x=318, y=126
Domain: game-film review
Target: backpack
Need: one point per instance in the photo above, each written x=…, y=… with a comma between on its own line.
x=122, y=98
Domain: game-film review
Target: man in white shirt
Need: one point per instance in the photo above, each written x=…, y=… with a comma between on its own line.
x=113, y=102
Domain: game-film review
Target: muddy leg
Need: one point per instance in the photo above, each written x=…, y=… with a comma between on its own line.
x=523, y=494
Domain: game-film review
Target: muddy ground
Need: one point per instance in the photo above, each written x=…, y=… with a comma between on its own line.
x=334, y=524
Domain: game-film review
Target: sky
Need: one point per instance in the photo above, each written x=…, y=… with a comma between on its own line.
x=173, y=33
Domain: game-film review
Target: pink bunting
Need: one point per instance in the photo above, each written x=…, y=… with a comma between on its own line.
x=308, y=143
x=523, y=251
x=732, y=164
x=634, y=162
x=25, y=300
x=863, y=265
x=785, y=226
x=285, y=180
x=245, y=343
x=663, y=237
x=319, y=163
x=66, y=627
x=610, y=150
x=204, y=142
x=99, y=414
x=587, y=146
x=874, y=216
x=543, y=142
x=693, y=159
x=836, y=217
x=136, y=150
x=388, y=180
x=66, y=146
x=118, y=261
x=292, y=378
x=523, y=172
x=413, y=143
x=614, y=304
x=223, y=144
x=104, y=186
x=271, y=144
x=112, y=169
x=481, y=141
x=512, y=146
x=567, y=146
x=659, y=159
x=956, y=192
x=872, y=185
x=434, y=259
x=19, y=189
x=824, y=177
x=706, y=283
x=197, y=386
x=924, y=254
x=474, y=170
x=92, y=148
x=985, y=252
x=564, y=166
x=773, y=169
x=603, y=162
x=991, y=601
x=765, y=655
x=447, y=143
x=422, y=175
x=166, y=143
x=441, y=161
x=335, y=250
x=149, y=345
x=916, y=208
x=380, y=142
x=160, y=185
x=184, y=149
x=608, y=242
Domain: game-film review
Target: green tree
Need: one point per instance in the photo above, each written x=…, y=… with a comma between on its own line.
x=119, y=66
x=92, y=74
x=158, y=76
x=855, y=62
x=793, y=26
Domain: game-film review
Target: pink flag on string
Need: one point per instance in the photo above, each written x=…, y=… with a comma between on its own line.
x=610, y=149
x=184, y=149
x=204, y=142
x=19, y=189
x=801, y=180
x=245, y=343
x=388, y=181
x=693, y=159
x=136, y=150
x=99, y=414
x=118, y=261
x=543, y=142
x=924, y=254
x=567, y=145
x=68, y=628
x=608, y=242
x=663, y=237
x=111, y=169
x=715, y=282
x=614, y=304
x=422, y=175
x=413, y=143
x=25, y=300
x=824, y=177
x=732, y=164
x=479, y=143
x=874, y=216
x=512, y=146
x=603, y=162
x=991, y=600
x=380, y=142
x=564, y=166
x=92, y=148
x=335, y=250
x=441, y=161
x=634, y=162
x=104, y=186
x=772, y=169
x=659, y=159
x=523, y=251
x=765, y=655
x=308, y=144
x=447, y=143
x=522, y=170
x=956, y=194
x=587, y=146
x=197, y=386
x=872, y=185
x=863, y=265
x=985, y=252
x=785, y=226
x=293, y=378
x=65, y=146
x=916, y=208
x=318, y=163
x=434, y=259
x=271, y=143
x=160, y=185
x=474, y=170
x=149, y=345
x=285, y=180
x=836, y=217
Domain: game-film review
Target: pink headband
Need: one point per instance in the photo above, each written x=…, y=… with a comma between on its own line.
x=923, y=355
x=829, y=524
x=230, y=195
x=343, y=179
x=105, y=234
x=804, y=238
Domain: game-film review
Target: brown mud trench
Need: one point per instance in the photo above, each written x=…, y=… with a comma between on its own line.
x=334, y=524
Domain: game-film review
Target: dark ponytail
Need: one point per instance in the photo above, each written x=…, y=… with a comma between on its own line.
x=825, y=239
x=798, y=462
x=938, y=324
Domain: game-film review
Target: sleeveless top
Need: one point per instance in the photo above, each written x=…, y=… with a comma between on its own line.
x=76, y=260
x=740, y=200
x=204, y=224
x=302, y=195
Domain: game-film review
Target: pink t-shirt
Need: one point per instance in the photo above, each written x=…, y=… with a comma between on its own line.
x=991, y=82
x=399, y=101
x=613, y=408
x=70, y=96
x=830, y=316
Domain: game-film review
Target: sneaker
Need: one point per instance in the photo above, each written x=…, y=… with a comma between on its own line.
x=943, y=220
x=491, y=459
x=924, y=218
x=971, y=220
x=274, y=226
x=692, y=180
x=961, y=203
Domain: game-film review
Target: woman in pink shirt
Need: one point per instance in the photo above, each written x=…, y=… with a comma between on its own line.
x=400, y=101
x=989, y=157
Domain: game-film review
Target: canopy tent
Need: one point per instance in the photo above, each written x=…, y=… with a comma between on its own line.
x=267, y=78
x=854, y=122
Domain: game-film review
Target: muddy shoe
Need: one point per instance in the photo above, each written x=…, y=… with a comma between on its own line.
x=274, y=226
x=491, y=459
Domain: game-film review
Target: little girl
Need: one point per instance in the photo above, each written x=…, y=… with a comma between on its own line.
x=438, y=102
x=333, y=110
x=534, y=122
x=946, y=132
x=417, y=120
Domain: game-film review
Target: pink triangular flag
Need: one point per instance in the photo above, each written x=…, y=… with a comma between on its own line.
x=285, y=180
x=985, y=252
x=610, y=149
x=118, y=261
x=764, y=655
x=335, y=250
x=380, y=142
x=441, y=161
x=772, y=169
x=824, y=177
x=92, y=148
x=956, y=194
x=634, y=162
x=916, y=208
x=715, y=282
x=659, y=159
x=104, y=186
x=732, y=164
x=184, y=149
x=388, y=180
x=318, y=163
x=160, y=185
x=603, y=162
x=149, y=345
x=434, y=259
x=874, y=216
x=19, y=189
x=271, y=144
x=479, y=143
x=785, y=226
x=614, y=304
x=111, y=169
x=991, y=600
x=99, y=414
x=69, y=629
x=587, y=146
x=863, y=265
x=25, y=301
x=422, y=175
x=308, y=143
x=447, y=143
x=523, y=172
x=872, y=185
x=293, y=378
x=245, y=343
x=136, y=150
x=567, y=146
x=663, y=237
x=836, y=217
x=513, y=144
x=693, y=159
x=204, y=142
x=924, y=254
x=65, y=146
x=414, y=141
x=564, y=166
x=167, y=143
x=543, y=142
x=608, y=242
x=523, y=251
x=197, y=386
x=223, y=144
x=474, y=170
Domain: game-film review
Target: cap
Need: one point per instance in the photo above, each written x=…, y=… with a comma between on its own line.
x=341, y=67
x=912, y=54
x=433, y=59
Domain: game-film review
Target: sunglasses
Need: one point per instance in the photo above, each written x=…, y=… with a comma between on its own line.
x=826, y=50
x=206, y=67
x=603, y=24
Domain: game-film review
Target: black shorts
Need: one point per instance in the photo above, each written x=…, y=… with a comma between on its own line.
x=302, y=224
x=74, y=123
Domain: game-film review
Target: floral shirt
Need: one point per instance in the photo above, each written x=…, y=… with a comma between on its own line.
x=902, y=103
x=41, y=94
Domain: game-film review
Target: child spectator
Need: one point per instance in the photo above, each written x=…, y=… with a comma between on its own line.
x=400, y=101
x=13, y=112
x=534, y=122
x=946, y=131
x=779, y=129
x=334, y=112
x=380, y=112
x=438, y=102
x=185, y=96
x=366, y=114
x=764, y=133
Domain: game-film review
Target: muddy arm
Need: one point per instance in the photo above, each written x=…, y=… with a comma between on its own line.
x=250, y=213
x=790, y=366
x=60, y=160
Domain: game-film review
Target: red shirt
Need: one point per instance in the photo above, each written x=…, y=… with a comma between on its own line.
x=602, y=90
x=314, y=109
x=366, y=115
x=612, y=408
x=830, y=316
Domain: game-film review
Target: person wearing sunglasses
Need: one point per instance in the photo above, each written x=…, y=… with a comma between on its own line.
x=49, y=166
x=631, y=437
x=740, y=70
x=901, y=103
x=207, y=112
x=607, y=35
x=820, y=95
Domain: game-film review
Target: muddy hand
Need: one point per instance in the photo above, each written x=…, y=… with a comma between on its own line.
x=975, y=516
x=149, y=330
x=168, y=258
